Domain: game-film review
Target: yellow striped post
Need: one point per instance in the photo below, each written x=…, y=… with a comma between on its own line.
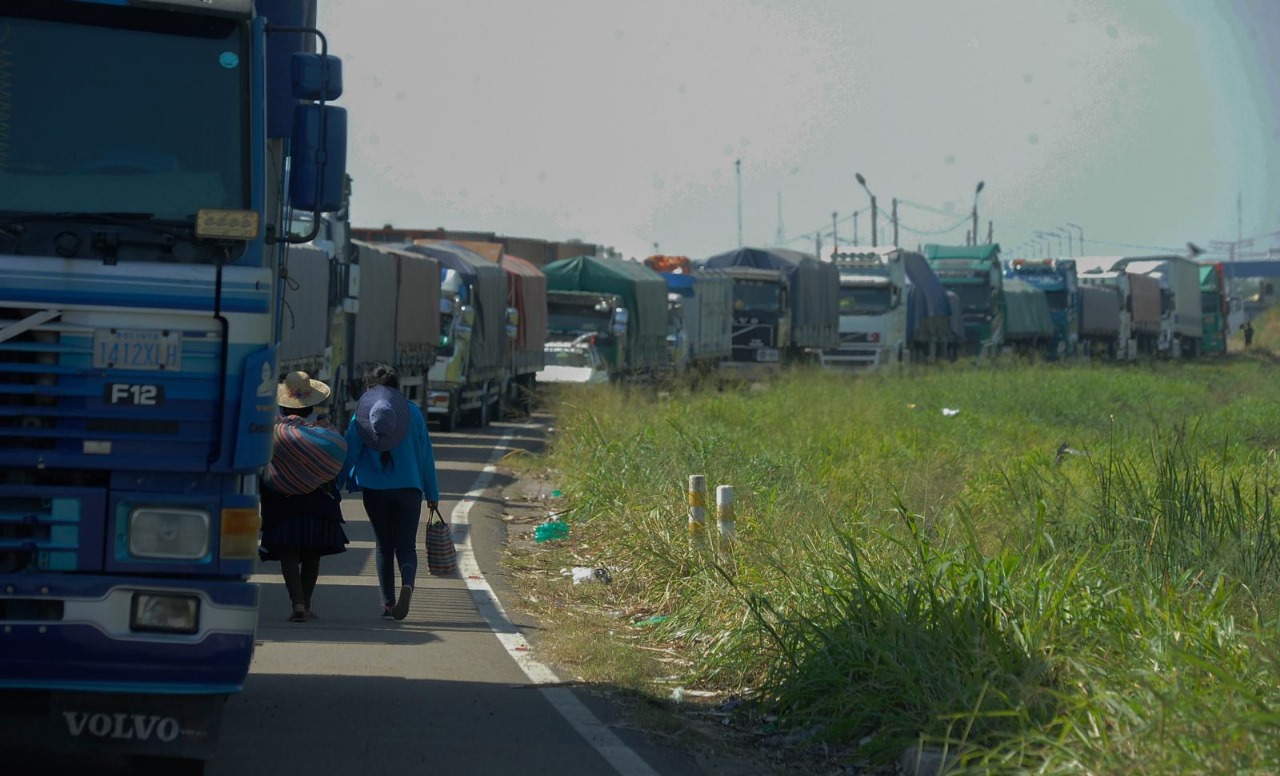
x=724, y=515
x=697, y=509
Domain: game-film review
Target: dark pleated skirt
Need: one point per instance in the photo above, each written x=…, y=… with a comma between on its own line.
x=312, y=521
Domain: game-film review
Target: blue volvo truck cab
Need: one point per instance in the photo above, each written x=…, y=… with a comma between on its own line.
x=148, y=153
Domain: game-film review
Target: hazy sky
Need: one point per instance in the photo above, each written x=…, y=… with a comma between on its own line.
x=619, y=122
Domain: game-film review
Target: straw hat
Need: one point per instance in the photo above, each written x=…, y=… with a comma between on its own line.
x=298, y=390
x=382, y=418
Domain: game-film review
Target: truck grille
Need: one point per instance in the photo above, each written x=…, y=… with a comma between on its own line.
x=39, y=532
x=58, y=410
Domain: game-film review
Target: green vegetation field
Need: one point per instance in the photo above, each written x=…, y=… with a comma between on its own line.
x=904, y=576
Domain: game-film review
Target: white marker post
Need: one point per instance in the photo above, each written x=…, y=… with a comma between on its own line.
x=697, y=510
x=724, y=516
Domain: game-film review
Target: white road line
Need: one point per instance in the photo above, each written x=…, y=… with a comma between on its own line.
x=611, y=748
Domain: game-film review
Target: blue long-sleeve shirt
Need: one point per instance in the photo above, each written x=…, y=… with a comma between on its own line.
x=414, y=461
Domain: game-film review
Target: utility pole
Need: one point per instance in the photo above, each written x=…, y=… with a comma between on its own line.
x=895, y=222
x=855, y=229
x=990, y=227
x=781, y=237
x=737, y=169
x=817, y=244
x=873, y=220
x=863, y=183
x=835, y=238
x=977, y=190
x=1231, y=284
x=1081, y=230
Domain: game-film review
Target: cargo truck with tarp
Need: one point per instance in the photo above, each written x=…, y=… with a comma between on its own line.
x=621, y=304
x=1181, y=317
x=1103, y=323
x=395, y=319
x=1139, y=299
x=974, y=273
x=1214, y=308
x=1028, y=324
x=321, y=301
x=526, y=351
x=935, y=327
x=786, y=306
x=527, y=295
x=1057, y=279
x=465, y=383
x=699, y=322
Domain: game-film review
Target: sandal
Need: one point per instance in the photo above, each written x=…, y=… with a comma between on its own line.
x=299, y=614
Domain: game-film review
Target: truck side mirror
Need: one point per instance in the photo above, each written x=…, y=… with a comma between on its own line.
x=315, y=76
x=318, y=158
x=618, y=326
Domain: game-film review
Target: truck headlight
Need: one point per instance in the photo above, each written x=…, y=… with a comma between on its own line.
x=159, y=532
x=163, y=613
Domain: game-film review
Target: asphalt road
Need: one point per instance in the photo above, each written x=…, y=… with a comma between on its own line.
x=454, y=688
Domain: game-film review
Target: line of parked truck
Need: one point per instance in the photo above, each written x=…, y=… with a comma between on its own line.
x=473, y=327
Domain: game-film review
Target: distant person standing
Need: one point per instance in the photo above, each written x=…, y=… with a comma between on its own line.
x=301, y=515
x=1248, y=333
x=391, y=463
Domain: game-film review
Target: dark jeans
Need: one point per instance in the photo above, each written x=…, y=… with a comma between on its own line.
x=394, y=515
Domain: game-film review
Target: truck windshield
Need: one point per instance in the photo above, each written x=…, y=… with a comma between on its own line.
x=576, y=358
x=755, y=296
x=1057, y=299
x=864, y=301
x=576, y=318
x=973, y=297
x=82, y=129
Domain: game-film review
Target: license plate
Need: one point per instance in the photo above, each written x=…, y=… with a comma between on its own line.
x=137, y=349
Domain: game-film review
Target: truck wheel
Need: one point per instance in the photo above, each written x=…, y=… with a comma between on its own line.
x=526, y=396
x=482, y=414
x=451, y=418
x=495, y=409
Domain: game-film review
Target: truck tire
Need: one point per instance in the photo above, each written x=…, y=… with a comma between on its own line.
x=453, y=417
x=495, y=409
x=482, y=412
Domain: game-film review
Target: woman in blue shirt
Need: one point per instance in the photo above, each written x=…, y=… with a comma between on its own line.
x=391, y=463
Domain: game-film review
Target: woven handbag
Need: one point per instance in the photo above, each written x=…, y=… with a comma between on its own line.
x=442, y=556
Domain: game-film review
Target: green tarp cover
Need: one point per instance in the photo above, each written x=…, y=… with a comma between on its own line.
x=1026, y=312
x=643, y=292
x=975, y=252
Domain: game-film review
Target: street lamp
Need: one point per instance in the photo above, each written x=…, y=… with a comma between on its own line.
x=1081, y=230
x=1070, y=235
x=976, y=192
x=863, y=183
x=1048, y=236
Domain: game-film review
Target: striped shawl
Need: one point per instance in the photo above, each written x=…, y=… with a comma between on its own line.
x=305, y=456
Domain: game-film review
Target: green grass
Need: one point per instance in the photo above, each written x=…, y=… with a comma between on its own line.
x=904, y=576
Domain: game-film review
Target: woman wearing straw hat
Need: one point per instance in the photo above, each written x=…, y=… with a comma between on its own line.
x=390, y=461
x=301, y=516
